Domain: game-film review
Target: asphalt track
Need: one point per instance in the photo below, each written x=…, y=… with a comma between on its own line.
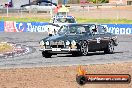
x=123, y=53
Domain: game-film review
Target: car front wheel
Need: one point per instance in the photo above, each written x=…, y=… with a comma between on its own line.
x=84, y=48
x=46, y=54
x=110, y=48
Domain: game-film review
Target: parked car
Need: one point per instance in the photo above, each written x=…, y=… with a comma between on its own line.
x=78, y=39
x=57, y=21
x=39, y=6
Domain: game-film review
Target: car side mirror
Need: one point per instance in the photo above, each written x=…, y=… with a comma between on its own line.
x=105, y=29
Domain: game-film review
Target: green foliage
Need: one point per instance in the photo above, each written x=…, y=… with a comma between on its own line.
x=94, y=1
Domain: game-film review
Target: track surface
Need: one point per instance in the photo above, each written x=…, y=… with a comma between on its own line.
x=123, y=53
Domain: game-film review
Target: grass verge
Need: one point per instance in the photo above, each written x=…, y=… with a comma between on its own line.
x=115, y=21
x=79, y=20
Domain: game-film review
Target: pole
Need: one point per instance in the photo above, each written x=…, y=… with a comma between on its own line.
x=117, y=13
x=29, y=1
x=7, y=11
x=51, y=11
x=11, y=3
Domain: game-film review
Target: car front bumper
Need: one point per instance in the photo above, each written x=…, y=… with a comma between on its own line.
x=60, y=50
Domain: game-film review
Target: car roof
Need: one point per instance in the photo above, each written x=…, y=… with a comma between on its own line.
x=78, y=24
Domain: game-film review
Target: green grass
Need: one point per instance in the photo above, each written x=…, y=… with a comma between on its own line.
x=79, y=20
x=35, y=19
x=119, y=21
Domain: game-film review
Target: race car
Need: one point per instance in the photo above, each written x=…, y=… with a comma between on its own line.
x=78, y=39
x=57, y=21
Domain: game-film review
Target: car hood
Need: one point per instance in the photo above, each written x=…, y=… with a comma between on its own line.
x=59, y=24
x=63, y=37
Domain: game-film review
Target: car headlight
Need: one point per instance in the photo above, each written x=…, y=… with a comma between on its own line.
x=41, y=43
x=67, y=43
x=73, y=42
x=47, y=42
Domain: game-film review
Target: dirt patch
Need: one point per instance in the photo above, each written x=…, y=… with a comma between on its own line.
x=60, y=77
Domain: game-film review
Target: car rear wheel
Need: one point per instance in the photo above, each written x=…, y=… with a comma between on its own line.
x=84, y=48
x=46, y=54
x=110, y=48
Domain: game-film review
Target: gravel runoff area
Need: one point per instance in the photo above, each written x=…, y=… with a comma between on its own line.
x=60, y=77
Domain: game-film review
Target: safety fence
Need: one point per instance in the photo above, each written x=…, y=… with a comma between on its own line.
x=78, y=11
x=11, y=26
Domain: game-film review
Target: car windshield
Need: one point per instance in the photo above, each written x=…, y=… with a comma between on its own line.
x=64, y=20
x=74, y=29
x=44, y=4
x=101, y=29
x=63, y=30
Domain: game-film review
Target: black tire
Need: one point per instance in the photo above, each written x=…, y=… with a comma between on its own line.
x=81, y=80
x=110, y=48
x=46, y=54
x=84, y=48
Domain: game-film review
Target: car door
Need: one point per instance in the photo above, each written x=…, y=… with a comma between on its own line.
x=94, y=41
x=104, y=38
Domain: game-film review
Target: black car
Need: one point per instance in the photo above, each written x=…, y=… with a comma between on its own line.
x=78, y=39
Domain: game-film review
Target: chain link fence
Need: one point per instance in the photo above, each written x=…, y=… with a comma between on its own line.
x=102, y=12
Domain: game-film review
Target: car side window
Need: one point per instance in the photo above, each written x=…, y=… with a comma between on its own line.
x=101, y=29
x=44, y=4
x=77, y=29
x=93, y=29
x=87, y=28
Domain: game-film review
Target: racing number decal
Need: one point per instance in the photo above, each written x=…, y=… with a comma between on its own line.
x=98, y=40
